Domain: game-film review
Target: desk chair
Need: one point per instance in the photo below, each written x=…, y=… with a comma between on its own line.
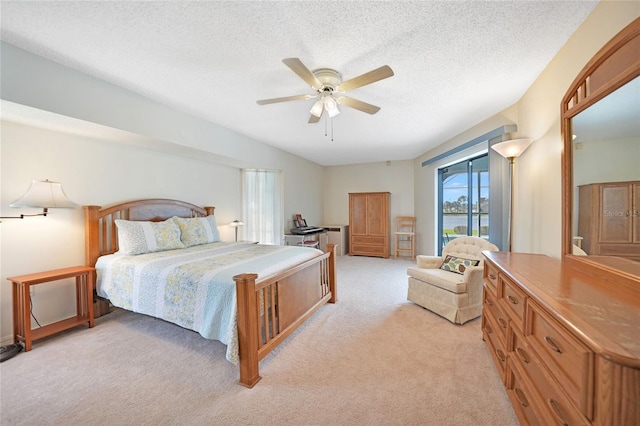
x=405, y=235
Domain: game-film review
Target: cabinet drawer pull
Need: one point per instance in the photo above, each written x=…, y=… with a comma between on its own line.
x=521, y=397
x=488, y=328
x=491, y=276
x=488, y=302
x=558, y=411
x=552, y=343
x=500, y=355
x=523, y=355
x=512, y=299
x=502, y=322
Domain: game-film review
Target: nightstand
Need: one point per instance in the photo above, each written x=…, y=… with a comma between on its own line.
x=22, y=331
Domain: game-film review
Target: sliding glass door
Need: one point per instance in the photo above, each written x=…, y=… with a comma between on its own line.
x=463, y=200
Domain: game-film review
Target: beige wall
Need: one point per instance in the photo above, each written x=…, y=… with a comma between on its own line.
x=123, y=147
x=537, y=211
x=395, y=177
x=81, y=163
x=102, y=172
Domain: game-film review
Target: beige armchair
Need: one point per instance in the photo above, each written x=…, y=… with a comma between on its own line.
x=456, y=293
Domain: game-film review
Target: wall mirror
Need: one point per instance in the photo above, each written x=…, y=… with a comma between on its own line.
x=601, y=159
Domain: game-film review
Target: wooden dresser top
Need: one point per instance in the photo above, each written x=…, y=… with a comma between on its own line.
x=605, y=314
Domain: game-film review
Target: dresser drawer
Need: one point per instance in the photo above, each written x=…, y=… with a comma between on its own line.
x=512, y=299
x=357, y=239
x=525, y=401
x=491, y=278
x=364, y=249
x=556, y=403
x=491, y=305
x=569, y=361
x=495, y=342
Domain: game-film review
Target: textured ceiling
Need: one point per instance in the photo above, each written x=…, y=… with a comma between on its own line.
x=456, y=63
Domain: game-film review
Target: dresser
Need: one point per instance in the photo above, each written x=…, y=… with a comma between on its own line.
x=566, y=343
x=369, y=224
x=609, y=218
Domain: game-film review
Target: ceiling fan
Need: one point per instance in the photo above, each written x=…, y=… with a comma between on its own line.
x=329, y=88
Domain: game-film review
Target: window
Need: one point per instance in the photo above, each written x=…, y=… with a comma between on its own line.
x=262, y=206
x=463, y=200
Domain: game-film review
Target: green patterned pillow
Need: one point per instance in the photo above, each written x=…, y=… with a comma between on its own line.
x=458, y=264
x=197, y=230
x=147, y=237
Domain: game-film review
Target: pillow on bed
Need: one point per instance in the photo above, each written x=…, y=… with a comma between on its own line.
x=458, y=264
x=147, y=237
x=197, y=230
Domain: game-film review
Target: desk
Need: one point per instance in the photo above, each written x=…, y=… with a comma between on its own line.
x=316, y=239
x=22, y=331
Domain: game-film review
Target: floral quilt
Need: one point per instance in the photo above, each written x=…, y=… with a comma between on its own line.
x=193, y=287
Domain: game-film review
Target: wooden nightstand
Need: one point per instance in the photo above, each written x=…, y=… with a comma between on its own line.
x=22, y=331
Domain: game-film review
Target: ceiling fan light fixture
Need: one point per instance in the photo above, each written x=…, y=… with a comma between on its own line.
x=331, y=106
x=316, y=109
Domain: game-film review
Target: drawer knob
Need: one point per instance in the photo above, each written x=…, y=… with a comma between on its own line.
x=521, y=397
x=558, y=411
x=553, y=344
x=488, y=328
x=512, y=299
x=500, y=355
x=488, y=302
x=523, y=355
x=491, y=276
x=502, y=322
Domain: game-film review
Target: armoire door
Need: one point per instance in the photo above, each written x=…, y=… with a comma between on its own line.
x=358, y=214
x=616, y=221
x=376, y=220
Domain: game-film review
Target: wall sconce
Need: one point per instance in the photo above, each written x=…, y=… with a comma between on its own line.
x=235, y=224
x=511, y=150
x=42, y=194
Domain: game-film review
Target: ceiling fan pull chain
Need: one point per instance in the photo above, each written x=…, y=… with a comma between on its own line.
x=331, y=129
x=325, y=125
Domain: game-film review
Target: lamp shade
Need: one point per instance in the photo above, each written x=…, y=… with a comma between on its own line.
x=512, y=148
x=44, y=194
x=317, y=107
x=331, y=106
x=236, y=223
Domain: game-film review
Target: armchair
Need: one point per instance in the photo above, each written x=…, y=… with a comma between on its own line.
x=452, y=290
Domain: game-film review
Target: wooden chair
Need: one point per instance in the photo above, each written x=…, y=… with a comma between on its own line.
x=405, y=235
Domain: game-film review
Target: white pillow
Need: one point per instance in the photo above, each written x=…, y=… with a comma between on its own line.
x=147, y=237
x=197, y=230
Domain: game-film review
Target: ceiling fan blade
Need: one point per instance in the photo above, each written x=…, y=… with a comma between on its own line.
x=313, y=119
x=285, y=99
x=299, y=68
x=367, y=78
x=359, y=105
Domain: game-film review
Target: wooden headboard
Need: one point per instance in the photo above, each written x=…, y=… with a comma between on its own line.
x=101, y=236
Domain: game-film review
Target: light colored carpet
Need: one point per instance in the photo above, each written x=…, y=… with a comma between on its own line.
x=372, y=358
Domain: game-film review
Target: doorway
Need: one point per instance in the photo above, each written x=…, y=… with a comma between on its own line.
x=463, y=200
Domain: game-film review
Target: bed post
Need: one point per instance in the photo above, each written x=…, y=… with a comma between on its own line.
x=333, y=283
x=91, y=235
x=247, y=329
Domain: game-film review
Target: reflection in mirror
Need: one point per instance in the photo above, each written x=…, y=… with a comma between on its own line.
x=606, y=175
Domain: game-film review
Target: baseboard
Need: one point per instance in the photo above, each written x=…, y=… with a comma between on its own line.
x=7, y=340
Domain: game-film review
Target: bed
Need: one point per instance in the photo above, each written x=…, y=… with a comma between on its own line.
x=248, y=296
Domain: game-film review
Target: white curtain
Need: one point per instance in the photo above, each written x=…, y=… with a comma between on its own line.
x=262, y=205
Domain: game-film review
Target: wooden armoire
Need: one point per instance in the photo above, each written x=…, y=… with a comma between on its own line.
x=609, y=218
x=369, y=224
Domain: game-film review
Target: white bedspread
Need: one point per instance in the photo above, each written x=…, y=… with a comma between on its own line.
x=193, y=287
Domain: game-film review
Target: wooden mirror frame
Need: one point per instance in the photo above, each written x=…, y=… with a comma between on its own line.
x=615, y=65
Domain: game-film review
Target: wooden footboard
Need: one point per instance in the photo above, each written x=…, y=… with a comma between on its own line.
x=270, y=309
